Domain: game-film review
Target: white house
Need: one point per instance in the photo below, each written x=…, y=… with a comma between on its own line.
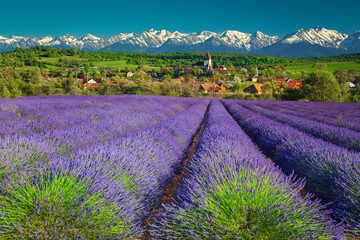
x=91, y=81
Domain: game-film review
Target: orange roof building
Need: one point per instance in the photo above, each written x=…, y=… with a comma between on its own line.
x=255, y=88
x=209, y=88
x=222, y=71
x=91, y=85
x=290, y=84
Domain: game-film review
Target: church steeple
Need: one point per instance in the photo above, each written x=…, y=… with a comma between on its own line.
x=256, y=72
x=207, y=56
x=207, y=61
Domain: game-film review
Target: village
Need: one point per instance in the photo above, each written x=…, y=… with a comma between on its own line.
x=205, y=78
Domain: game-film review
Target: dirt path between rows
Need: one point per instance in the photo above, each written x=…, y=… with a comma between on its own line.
x=170, y=193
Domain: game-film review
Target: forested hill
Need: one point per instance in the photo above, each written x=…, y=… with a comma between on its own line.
x=43, y=57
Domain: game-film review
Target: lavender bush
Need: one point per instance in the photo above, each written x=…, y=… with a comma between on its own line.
x=67, y=200
x=340, y=136
x=233, y=192
x=60, y=132
x=97, y=192
x=338, y=121
x=85, y=167
x=324, y=165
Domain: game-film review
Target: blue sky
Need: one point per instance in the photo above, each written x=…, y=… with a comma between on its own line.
x=104, y=18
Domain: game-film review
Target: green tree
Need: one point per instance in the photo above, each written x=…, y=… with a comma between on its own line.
x=196, y=71
x=68, y=83
x=237, y=86
x=36, y=77
x=87, y=69
x=28, y=88
x=75, y=90
x=188, y=78
x=96, y=74
x=322, y=86
x=344, y=92
x=73, y=51
x=13, y=87
x=188, y=90
x=4, y=93
x=47, y=89
x=171, y=88
x=319, y=67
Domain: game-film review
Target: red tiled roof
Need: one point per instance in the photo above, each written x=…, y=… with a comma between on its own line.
x=290, y=84
x=117, y=81
x=92, y=85
x=221, y=71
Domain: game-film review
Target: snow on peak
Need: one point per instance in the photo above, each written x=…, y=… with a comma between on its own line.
x=236, y=39
x=90, y=37
x=19, y=37
x=45, y=40
x=317, y=35
x=235, y=34
x=148, y=40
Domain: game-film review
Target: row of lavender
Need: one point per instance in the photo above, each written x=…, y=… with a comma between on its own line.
x=67, y=125
x=340, y=136
x=232, y=191
x=105, y=189
x=347, y=111
x=95, y=192
x=336, y=119
x=40, y=115
x=331, y=172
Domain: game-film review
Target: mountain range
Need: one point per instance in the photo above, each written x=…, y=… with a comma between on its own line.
x=310, y=42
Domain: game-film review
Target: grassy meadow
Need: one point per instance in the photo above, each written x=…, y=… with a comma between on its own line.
x=55, y=60
x=332, y=67
x=122, y=64
x=52, y=61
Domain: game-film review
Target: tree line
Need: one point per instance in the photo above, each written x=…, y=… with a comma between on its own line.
x=32, y=56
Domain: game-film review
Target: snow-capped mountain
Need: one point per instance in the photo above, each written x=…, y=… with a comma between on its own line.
x=310, y=42
x=316, y=41
x=316, y=36
x=352, y=42
x=260, y=40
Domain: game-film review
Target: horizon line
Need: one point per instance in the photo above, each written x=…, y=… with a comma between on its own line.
x=139, y=32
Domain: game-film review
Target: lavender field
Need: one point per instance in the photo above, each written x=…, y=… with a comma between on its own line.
x=152, y=167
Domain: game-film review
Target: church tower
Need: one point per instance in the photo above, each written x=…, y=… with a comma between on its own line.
x=207, y=61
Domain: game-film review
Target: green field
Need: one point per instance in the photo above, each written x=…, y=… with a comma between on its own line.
x=332, y=67
x=32, y=68
x=122, y=64
x=51, y=61
x=55, y=60
x=293, y=71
